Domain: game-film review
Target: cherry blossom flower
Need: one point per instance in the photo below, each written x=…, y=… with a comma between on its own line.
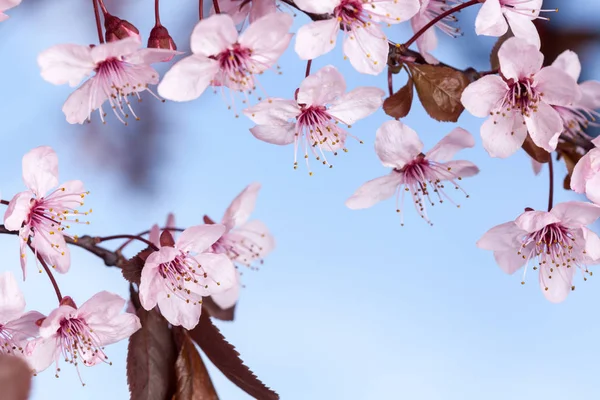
x=244, y=242
x=180, y=273
x=321, y=102
x=577, y=117
x=7, y=5
x=240, y=10
x=42, y=214
x=586, y=174
x=16, y=327
x=536, y=166
x=495, y=16
x=557, y=241
x=423, y=175
x=365, y=44
x=520, y=100
x=122, y=70
x=430, y=9
x=221, y=58
x=78, y=335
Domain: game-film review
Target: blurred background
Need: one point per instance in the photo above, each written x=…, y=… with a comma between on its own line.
x=350, y=305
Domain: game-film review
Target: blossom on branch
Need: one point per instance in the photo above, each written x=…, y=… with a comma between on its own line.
x=421, y=174
x=557, y=241
x=41, y=214
x=586, y=174
x=240, y=10
x=321, y=103
x=521, y=99
x=365, y=44
x=122, y=71
x=78, y=335
x=221, y=58
x=181, y=272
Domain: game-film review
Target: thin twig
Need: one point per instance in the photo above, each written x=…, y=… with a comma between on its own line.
x=48, y=272
x=98, y=23
x=551, y=184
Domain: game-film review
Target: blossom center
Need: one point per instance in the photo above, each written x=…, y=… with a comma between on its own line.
x=240, y=248
x=553, y=244
x=350, y=12
x=78, y=342
x=522, y=96
x=235, y=68
x=183, y=276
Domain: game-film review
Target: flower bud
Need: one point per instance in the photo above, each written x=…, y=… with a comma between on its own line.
x=117, y=28
x=160, y=39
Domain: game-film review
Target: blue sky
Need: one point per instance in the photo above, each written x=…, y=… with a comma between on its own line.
x=350, y=305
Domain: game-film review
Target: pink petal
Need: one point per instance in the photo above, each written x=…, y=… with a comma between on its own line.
x=536, y=166
x=241, y=207
x=41, y=352
x=235, y=9
x=213, y=35
x=151, y=56
x=523, y=28
x=502, y=136
x=590, y=94
x=318, y=6
x=51, y=324
x=200, y=237
x=374, y=191
x=576, y=214
x=220, y=272
x=53, y=249
x=592, y=188
x=428, y=41
x=260, y=239
x=519, y=59
x=116, y=49
x=592, y=245
x=558, y=87
x=545, y=126
x=568, y=62
x=12, y=301
x=509, y=261
x=357, y=104
x=114, y=330
x=583, y=170
x=170, y=223
x=188, y=78
x=503, y=237
x=273, y=111
x=268, y=38
x=25, y=326
x=559, y=285
x=396, y=144
x=228, y=298
x=490, y=20
x=450, y=144
x=392, y=11
x=180, y=313
x=40, y=170
x=316, y=38
x=18, y=210
x=261, y=8
x=154, y=236
x=66, y=63
x=101, y=307
x=85, y=99
x=461, y=168
x=533, y=221
x=322, y=87
x=484, y=95
x=367, y=49
x=275, y=134
x=152, y=285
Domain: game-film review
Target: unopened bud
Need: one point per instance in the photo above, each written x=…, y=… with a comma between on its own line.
x=118, y=29
x=160, y=39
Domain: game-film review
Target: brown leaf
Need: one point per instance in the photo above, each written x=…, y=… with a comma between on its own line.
x=15, y=378
x=132, y=268
x=208, y=304
x=193, y=380
x=224, y=356
x=166, y=239
x=494, y=61
x=571, y=157
x=398, y=104
x=537, y=153
x=151, y=358
x=439, y=89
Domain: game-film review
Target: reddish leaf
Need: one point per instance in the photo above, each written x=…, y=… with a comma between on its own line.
x=208, y=304
x=193, y=380
x=571, y=157
x=537, y=153
x=398, y=104
x=439, y=89
x=224, y=356
x=494, y=61
x=151, y=358
x=166, y=239
x=132, y=268
x=15, y=378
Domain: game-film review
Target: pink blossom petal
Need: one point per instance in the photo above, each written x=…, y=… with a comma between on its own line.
x=519, y=59
x=228, y=298
x=576, y=214
x=40, y=170
x=509, y=261
x=52, y=322
x=213, y=35
x=273, y=111
x=532, y=221
x=316, y=38
x=559, y=286
x=154, y=236
x=461, y=168
x=322, y=87
x=25, y=326
x=83, y=101
x=392, y=11
x=590, y=95
x=428, y=41
x=150, y=56
x=237, y=9
x=42, y=352
x=261, y=8
x=318, y=6
x=592, y=188
x=523, y=28
x=66, y=63
x=200, y=237
x=53, y=249
x=220, y=271
x=502, y=238
x=367, y=49
x=18, y=210
x=101, y=307
x=568, y=61
x=116, y=49
x=241, y=207
x=545, y=126
x=490, y=20
x=503, y=136
x=275, y=134
x=3, y=17
x=178, y=312
x=450, y=144
x=558, y=87
x=268, y=38
x=257, y=234
x=592, y=245
x=357, y=104
x=113, y=330
x=12, y=301
x=188, y=78
x=374, y=191
x=396, y=144
x=484, y=95
x=151, y=283
x=536, y=166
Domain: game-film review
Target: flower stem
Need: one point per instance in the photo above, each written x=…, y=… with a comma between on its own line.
x=121, y=247
x=308, y=65
x=390, y=82
x=5, y=202
x=156, y=13
x=201, y=10
x=551, y=185
x=439, y=18
x=98, y=24
x=103, y=7
x=216, y=5
x=132, y=237
x=48, y=272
